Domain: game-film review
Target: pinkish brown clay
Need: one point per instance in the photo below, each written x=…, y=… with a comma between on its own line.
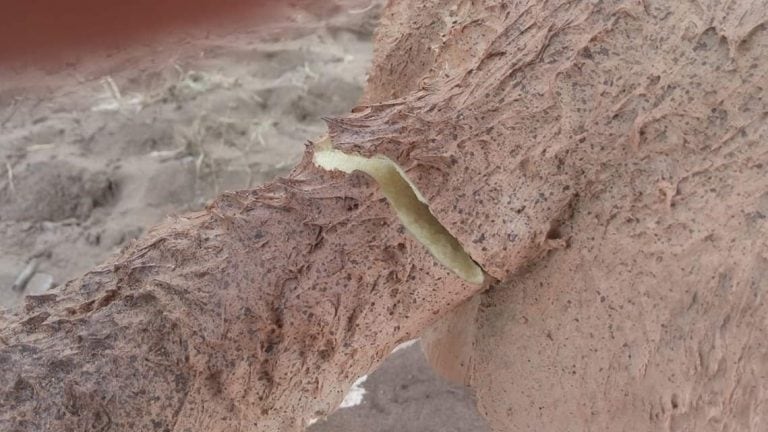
x=604, y=164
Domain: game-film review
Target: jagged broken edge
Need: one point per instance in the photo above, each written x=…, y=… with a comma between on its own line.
x=409, y=204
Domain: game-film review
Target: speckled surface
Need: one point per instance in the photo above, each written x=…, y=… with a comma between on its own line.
x=607, y=160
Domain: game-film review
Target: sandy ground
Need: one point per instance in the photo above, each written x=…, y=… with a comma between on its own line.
x=405, y=395
x=94, y=152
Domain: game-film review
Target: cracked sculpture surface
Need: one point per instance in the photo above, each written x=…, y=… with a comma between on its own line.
x=570, y=196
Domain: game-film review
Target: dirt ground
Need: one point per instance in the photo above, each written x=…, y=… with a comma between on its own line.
x=92, y=152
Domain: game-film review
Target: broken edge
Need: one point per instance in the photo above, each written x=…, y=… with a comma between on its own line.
x=409, y=204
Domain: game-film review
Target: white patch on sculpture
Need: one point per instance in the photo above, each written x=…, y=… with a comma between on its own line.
x=355, y=395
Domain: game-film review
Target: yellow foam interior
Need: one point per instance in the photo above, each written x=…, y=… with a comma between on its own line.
x=409, y=205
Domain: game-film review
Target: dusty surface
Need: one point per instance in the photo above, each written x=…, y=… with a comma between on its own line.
x=604, y=160
x=633, y=137
x=95, y=152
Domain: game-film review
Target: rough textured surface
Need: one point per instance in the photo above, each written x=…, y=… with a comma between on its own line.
x=256, y=313
x=605, y=160
x=640, y=128
x=92, y=170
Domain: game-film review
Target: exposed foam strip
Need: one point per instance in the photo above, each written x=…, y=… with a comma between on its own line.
x=409, y=205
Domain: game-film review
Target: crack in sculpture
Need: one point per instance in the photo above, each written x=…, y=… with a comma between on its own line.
x=410, y=206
